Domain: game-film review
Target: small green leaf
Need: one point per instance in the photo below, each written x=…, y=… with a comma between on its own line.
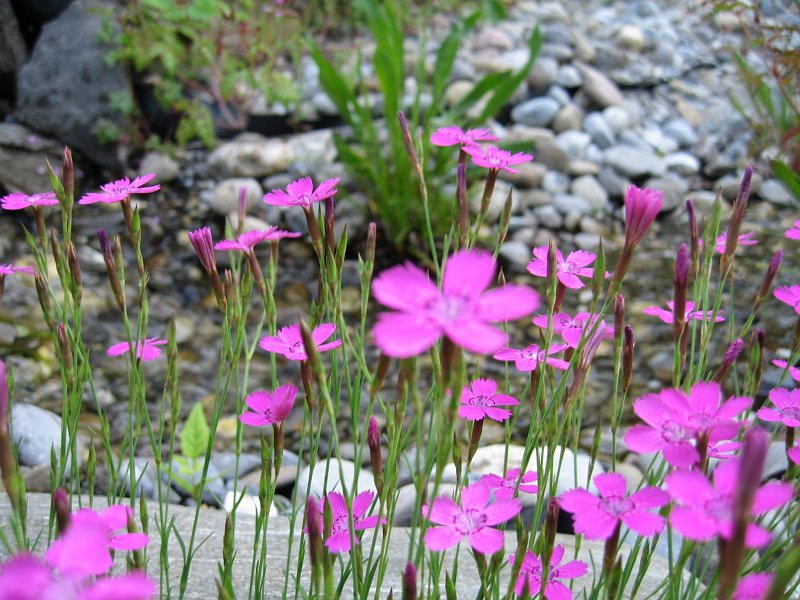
x=790, y=178
x=195, y=434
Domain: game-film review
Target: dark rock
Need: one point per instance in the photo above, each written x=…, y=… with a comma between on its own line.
x=66, y=87
x=12, y=51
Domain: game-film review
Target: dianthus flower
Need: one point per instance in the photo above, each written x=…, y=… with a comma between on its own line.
x=496, y=159
x=794, y=372
x=531, y=572
x=248, y=240
x=289, y=341
x=455, y=136
x=794, y=453
x=462, y=310
x=478, y=400
x=568, y=270
x=794, y=232
x=339, y=538
x=571, y=328
x=302, y=193
x=504, y=487
x=745, y=239
x=753, y=586
x=705, y=511
x=674, y=421
x=146, y=350
x=120, y=190
x=9, y=269
x=19, y=201
x=667, y=316
x=474, y=519
x=641, y=208
x=268, y=408
x=789, y=295
x=529, y=358
x=597, y=517
x=787, y=407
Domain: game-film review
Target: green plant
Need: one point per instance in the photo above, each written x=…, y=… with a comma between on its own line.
x=209, y=60
x=382, y=165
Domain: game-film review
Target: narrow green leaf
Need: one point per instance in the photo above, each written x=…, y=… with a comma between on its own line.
x=790, y=179
x=195, y=434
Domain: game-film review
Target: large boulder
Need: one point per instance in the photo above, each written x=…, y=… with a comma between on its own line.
x=12, y=54
x=65, y=89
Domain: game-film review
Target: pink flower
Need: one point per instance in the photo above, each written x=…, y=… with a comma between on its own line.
x=479, y=401
x=339, y=538
x=25, y=577
x=302, y=193
x=789, y=295
x=455, y=136
x=267, y=408
x=668, y=317
x=531, y=571
x=120, y=190
x=705, y=511
x=794, y=372
x=145, y=351
x=753, y=586
x=247, y=241
x=745, y=239
x=794, y=454
x=462, y=310
x=723, y=450
x=19, y=201
x=529, y=358
x=495, y=158
x=641, y=208
x=674, y=421
x=597, y=518
x=794, y=232
x=115, y=518
x=505, y=487
x=571, y=329
x=132, y=586
x=787, y=407
x=289, y=342
x=9, y=269
x=474, y=519
x=568, y=270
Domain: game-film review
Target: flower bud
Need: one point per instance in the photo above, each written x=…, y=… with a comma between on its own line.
x=769, y=277
x=68, y=174
x=680, y=290
x=410, y=582
x=375, y=459
x=627, y=357
x=731, y=354
x=735, y=224
x=242, y=209
x=461, y=198
x=619, y=318
x=62, y=509
x=694, y=236
x=74, y=268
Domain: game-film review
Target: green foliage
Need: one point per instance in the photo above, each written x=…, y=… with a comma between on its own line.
x=382, y=165
x=201, y=52
x=195, y=434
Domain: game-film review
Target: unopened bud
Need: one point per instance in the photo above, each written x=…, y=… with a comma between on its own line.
x=62, y=509
x=375, y=459
x=44, y=298
x=619, y=318
x=64, y=346
x=410, y=582
x=680, y=282
x=242, y=209
x=627, y=357
x=74, y=267
x=369, y=250
x=68, y=174
x=735, y=224
x=769, y=277
x=461, y=198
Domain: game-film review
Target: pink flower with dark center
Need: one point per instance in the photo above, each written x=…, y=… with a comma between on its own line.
x=705, y=511
x=787, y=407
x=339, y=538
x=120, y=190
x=529, y=358
x=597, y=517
x=641, y=208
x=455, y=136
x=505, y=487
x=83, y=549
x=462, y=310
x=674, y=421
x=571, y=328
x=723, y=450
x=568, y=270
x=10, y=269
x=474, y=519
x=531, y=572
x=794, y=232
x=248, y=240
x=289, y=342
x=745, y=239
x=667, y=316
x=268, y=408
x=302, y=193
x=145, y=351
x=495, y=158
x=19, y=201
x=794, y=372
x=478, y=400
x=789, y=295
x=753, y=586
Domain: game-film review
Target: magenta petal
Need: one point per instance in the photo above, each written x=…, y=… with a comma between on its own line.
x=475, y=336
x=498, y=414
x=705, y=397
x=643, y=439
x=339, y=542
x=468, y=273
x=649, y=497
x=507, y=303
x=322, y=332
x=756, y=536
x=129, y=541
x=578, y=500
x=254, y=420
x=369, y=522
x=501, y=511
x=643, y=523
x=475, y=496
x=443, y=510
x=570, y=281
x=689, y=487
x=594, y=524
x=555, y=590
x=116, y=516
x=441, y=538
x=471, y=413
x=402, y=335
x=611, y=484
x=487, y=540
x=483, y=387
x=655, y=311
x=361, y=503
x=258, y=400
x=133, y=586
x=692, y=524
x=404, y=287
x=771, y=495
x=680, y=454
x=769, y=414
x=573, y=569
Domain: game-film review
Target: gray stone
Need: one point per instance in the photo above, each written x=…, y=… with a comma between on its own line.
x=600, y=89
x=555, y=182
x=543, y=74
x=673, y=189
x=568, y=203
x=598, y=128
x=145, y=475
x=530, y=175
x=536, y=112
x=251, y=155
x=682, y=163
x=497, y=202
x=36, y=432
x=64, y=89
x=612, y=182
x=617, y=118
x=549, y=216
x=516, y=253
x=186, y=477
x=166, y=168
x=314, y=483
x=631, y=38
x=12, y=44
x=633, y=162
x=568, y=117
x=559, y=94
x=776, y=462
x=584, y=240
x=551, y=155
x=576, y=168
x=588, y=188
x=225, y=462
x=681, y=131
x=573, y=142
x=225, y=195
x=661, y=143
x=312, y=151
x=569, y=77
x=773, y=190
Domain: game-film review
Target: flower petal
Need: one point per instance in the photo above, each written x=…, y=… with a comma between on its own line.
x=402, y=335
x=507, y=303
x=468, y=273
